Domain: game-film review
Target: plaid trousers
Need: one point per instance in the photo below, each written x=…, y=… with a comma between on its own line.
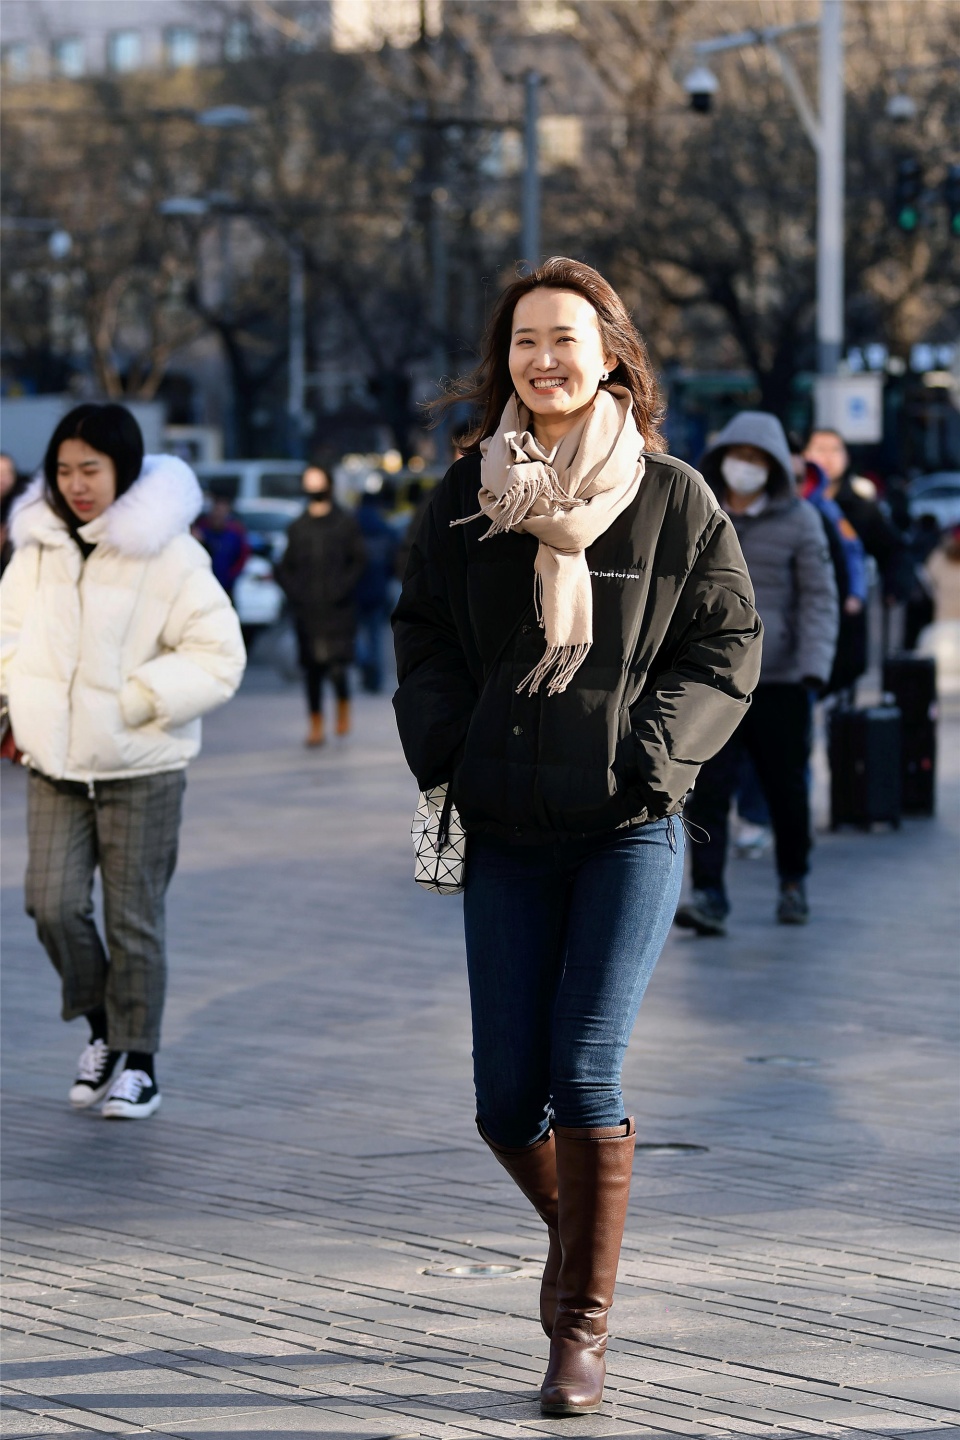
x=129, y=828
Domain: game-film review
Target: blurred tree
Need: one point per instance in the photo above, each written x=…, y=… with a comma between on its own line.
x=709, y=220
x=396, y=171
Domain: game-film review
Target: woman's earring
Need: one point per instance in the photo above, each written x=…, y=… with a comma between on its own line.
x=604, y=375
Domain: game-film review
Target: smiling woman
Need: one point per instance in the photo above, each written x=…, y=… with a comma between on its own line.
x=605, y=314
x=565, y=672
x=557, y=360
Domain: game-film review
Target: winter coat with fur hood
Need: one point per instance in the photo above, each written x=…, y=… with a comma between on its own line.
x=109, y=662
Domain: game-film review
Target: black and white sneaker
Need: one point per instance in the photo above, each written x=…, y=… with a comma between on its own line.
x=95, y=1070
x=132, y=1096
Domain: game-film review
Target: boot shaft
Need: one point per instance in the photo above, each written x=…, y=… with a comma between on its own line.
x=593, y=1181
x=533, y=1169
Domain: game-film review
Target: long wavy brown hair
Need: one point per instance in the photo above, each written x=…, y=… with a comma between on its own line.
x=489, y=387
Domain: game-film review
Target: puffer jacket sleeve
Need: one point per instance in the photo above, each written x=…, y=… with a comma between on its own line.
x=818, y=611
x=437, y=691
x=16, y=589
x=204, y=656
x=697, y=702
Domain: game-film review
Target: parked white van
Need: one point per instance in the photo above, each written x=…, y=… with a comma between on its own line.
x=252, y=479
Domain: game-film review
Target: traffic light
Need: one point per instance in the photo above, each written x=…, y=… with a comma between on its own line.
x=906, y=194
x=951, y=193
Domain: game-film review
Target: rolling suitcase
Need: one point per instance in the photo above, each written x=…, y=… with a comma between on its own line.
x=912, y=681
x=864, y=751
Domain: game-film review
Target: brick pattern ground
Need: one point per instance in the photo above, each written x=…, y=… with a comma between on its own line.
x=269, y=1255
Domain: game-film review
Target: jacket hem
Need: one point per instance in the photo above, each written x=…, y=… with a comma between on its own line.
x=528, y=835
x=77, y=777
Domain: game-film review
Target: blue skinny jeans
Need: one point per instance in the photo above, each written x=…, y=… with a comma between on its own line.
x=561, y=940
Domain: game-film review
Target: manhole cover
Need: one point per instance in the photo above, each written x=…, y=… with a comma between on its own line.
x=474, y=1272
x=654, y=1148
x=790, y=1062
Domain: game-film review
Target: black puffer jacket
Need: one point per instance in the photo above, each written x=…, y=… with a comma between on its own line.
x=319, y=573
x=676, y=653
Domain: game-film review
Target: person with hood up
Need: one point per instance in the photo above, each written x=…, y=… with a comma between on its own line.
x=785, y=548
x=115, y=638
x=319, y=573
x=576, y=634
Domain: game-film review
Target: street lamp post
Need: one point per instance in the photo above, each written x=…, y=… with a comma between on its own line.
x=826, y=135
x=530, y=239
x=830, y=192
x=297, y=368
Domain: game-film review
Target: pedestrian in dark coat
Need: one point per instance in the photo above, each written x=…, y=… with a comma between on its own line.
x=786, y=550
x=857, y=498
x=575, y=636
x=319, y=572
x=849, y=560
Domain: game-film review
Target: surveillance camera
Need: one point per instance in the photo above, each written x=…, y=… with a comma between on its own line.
x=701, y=85
x=901, y=108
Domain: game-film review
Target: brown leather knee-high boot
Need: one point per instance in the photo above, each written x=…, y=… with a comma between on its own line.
x=533, y=1169
x=593, y=1182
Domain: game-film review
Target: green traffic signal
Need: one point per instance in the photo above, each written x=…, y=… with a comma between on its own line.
x=907, y=193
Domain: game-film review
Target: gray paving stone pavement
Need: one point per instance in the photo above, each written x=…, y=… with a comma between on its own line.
x=270, y=1255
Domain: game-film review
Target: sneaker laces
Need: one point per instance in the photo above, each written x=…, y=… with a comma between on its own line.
x=129, y=1084
x=93, y=1062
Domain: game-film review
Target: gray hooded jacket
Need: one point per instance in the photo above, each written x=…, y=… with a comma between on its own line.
x=787, y=556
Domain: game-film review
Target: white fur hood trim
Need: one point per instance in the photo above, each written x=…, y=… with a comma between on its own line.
x=162, y=503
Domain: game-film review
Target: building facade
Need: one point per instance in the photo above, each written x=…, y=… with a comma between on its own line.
x=49, y=39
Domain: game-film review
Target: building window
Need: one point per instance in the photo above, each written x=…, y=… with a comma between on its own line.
x=237, y=40
x=17, y=62
x=124, y=51
x=68, y=57
x=182, y=47
x=561, y=141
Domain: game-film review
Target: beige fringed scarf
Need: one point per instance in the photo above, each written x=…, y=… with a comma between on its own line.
x=567, y=500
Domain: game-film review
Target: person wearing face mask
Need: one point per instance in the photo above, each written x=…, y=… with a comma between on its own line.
x=319, y=573
x=575, y=636
x=786, y=551
x=115, y=638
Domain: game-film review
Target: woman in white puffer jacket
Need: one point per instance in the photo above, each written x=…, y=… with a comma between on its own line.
x=114, y=639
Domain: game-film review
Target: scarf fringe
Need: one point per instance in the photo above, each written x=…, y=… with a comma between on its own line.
x=563, y=660
x=515, y=502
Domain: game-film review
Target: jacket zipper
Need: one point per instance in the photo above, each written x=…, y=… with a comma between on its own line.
x=91, y=792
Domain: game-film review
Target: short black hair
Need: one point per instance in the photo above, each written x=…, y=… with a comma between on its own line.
x=109, y=429
x=823, y=430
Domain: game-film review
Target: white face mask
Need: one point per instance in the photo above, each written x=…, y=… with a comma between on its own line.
x=743, y=476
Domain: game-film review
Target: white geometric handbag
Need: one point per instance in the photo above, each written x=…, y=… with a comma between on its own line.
x=439, y=842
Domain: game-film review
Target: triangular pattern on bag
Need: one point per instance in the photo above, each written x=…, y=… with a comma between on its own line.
x=438, y=867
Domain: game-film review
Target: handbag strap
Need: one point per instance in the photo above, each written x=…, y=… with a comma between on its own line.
x=443, y=830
